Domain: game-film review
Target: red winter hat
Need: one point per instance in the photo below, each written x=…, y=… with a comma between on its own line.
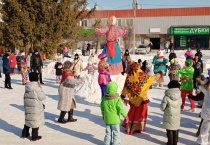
x=101, y=56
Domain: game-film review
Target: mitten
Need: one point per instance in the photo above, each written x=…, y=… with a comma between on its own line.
x=126, y=119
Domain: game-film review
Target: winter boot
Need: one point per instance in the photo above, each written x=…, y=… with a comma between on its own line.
x=70, y=116
x=170, y=137
x=35, y=133
x=175, y=136
x=199, y=128
x=25, y=132
x=61, y=118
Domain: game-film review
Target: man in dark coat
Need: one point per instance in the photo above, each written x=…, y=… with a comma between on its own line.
x=172, y=55
x=37, y=64
x=199, y=53
x=196, y=60
x=7, y=71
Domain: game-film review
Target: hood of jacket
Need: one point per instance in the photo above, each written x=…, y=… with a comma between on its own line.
x=189, y=61
x=173, y=93
x=111, y=91
x=30, y=86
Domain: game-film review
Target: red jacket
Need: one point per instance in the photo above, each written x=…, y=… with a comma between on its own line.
x=12, y=60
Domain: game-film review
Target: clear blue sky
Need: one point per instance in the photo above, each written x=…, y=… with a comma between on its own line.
x=126, y=4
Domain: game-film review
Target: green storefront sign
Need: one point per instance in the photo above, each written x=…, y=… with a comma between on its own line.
x=190, y=30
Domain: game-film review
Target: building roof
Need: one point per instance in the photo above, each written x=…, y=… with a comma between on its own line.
x=196, y=11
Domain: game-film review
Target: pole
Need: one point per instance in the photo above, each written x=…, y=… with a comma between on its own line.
x=134, y=20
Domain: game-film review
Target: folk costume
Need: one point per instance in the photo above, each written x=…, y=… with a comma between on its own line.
x=136, y=86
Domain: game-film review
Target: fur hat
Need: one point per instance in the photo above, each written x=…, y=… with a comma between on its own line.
x=101, y=56
x=33, y=77
x=173, y=84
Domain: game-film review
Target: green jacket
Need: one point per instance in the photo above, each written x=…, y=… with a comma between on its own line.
x=111, y=105
x=186, y=72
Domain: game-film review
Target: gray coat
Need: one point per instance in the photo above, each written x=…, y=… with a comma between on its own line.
x=173, y=68
x=66, y=93
x=34, y=111
x=171, y=106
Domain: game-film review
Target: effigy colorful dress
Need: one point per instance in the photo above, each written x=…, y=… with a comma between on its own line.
x=112, y=49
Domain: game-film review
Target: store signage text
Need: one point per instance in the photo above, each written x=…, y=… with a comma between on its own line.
x=192, y=30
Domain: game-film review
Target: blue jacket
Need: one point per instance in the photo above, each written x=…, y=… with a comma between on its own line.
x=6, y=65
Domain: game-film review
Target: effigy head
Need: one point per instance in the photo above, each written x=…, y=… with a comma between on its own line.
x=112, y=21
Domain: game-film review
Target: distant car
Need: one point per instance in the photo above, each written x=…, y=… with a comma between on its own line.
x=142, y=49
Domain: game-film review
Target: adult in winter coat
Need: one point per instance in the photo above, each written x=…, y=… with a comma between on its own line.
x=77, y=66
x=186, y=83
x=67, y=101
x=37, y=64
x=173, y=67
x=197, y=74
x=199, y=53
x=125, y=58
x=19, y=59
x=203, y=138
x=159, y=62
x=34, y=108
x=7, y=71
x=171, y=46
x=111, y=109
x=58, y=70
x=172, y=55
x=13, y=62
x=196, y=60
x=28, y=60
x=136, y=85
x=189, y=54
x=170, y=105
x=93, y=59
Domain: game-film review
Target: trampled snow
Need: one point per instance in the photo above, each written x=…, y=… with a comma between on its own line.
x=89, y=129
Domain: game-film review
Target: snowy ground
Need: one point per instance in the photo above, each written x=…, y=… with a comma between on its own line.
x=89, y=129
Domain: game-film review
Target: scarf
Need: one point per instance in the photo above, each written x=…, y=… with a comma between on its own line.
x=66, y=73
x=137, y=84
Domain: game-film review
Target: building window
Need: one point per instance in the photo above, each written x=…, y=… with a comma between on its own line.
x=129, y=22
x=119, y=22
x=84, y=23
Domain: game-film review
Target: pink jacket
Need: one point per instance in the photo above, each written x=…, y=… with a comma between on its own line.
x=189, y=53
x=90, y=68
x=104, y=74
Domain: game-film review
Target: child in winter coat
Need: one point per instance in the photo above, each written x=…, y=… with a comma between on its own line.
x=173, y=67
x=111, y=109
x=104, y=75
x=24, y=72
x=189, y=54
x=90, y=68
x=34, y=109
x=58, y=70
x=170, y=105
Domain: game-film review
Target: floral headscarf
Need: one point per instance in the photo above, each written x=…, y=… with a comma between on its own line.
x=137, y=84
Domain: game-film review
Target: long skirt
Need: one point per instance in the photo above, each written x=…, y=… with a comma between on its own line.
x=137, y=118
x=115, y=61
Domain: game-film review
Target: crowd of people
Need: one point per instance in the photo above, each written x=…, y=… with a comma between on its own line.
x=140, y=76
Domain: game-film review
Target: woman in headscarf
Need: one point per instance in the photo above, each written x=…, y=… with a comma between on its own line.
x=136, y=85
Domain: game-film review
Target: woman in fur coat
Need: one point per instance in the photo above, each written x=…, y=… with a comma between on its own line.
x=67, y=101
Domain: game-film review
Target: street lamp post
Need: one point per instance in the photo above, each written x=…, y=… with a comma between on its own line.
x=134, y=21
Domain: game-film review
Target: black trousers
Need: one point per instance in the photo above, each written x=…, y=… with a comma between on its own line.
x=38, y=70
x=172, y=136
x=7, y=83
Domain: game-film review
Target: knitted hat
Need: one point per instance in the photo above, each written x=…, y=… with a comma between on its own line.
x=189, y=61
x=33, y=77
x=173, y=84
x=101, y=56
